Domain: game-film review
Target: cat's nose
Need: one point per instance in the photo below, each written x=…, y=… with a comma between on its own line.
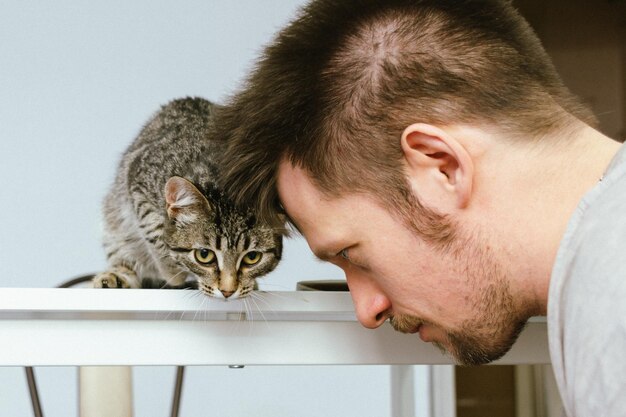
x=226, y=293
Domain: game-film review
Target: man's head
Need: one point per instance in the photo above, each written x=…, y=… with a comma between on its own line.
x=336, y=89
x=458, y=297
x=365, y=120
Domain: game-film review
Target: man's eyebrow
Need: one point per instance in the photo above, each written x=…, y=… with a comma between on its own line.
x=281, y=210
x=293, y=224
x=324, y=254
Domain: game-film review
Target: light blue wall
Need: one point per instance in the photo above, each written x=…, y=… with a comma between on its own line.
x=77, y=81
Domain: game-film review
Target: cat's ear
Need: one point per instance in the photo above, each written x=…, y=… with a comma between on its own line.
x=184, y=202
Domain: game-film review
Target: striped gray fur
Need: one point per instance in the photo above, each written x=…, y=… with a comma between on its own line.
x=165, y=212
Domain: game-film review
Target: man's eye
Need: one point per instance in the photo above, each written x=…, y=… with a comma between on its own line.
x=344, y=254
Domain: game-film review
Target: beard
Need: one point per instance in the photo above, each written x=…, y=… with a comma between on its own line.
x=478, y=341
x=470, y=348
x=497, y=321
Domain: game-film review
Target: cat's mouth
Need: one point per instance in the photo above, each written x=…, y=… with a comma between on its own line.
x=217, y=293
x=224, y=294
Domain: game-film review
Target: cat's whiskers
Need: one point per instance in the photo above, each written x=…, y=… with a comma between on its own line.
x=249, y=316
x=246, y=313
x=258, y=296
x=273, y=294
x=166, y=316
x=191, y=293
x=260, y=312
x=241, y=318
x=204, y=300
x=188, y=295
x=206, y=311
x=172, y=278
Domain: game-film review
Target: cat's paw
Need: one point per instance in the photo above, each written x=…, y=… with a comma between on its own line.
x=110, y=280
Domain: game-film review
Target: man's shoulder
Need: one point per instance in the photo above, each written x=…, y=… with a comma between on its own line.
x=592, y=310
x=597, y=243
x=590, y=271
x=586, y=308
x=601, y=223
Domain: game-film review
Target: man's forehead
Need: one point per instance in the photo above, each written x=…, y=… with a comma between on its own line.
x=316, y=217
x=295, y=189
x=292, y=178
x=305, y=205
x=298, y=193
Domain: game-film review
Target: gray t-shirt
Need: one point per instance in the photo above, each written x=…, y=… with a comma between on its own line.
x=587, y=301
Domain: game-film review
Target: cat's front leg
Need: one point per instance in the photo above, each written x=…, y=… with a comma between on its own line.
x=117, y=277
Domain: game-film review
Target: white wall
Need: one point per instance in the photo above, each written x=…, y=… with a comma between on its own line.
x=77, y=81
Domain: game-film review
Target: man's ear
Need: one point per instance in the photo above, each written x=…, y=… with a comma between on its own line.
x=439, y=167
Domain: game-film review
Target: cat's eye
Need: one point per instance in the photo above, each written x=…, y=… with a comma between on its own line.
x=252, y=258
x=204, y=256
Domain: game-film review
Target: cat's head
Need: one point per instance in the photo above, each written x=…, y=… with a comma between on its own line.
x=225, y=249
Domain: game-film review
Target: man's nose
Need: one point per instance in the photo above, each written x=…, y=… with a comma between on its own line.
x=371, y=305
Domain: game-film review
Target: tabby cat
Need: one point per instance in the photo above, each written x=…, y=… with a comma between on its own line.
x=166, y=219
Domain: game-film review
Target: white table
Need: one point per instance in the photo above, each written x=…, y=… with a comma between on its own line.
x=82, y=327
x=288, y=328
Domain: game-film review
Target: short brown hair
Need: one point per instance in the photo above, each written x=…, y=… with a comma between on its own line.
x=334, y=91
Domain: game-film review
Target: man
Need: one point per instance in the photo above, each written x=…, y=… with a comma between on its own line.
x=430, y=150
